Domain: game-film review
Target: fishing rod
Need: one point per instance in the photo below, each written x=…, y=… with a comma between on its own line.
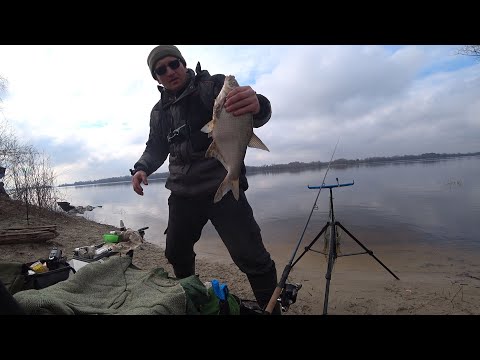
x=281, y=284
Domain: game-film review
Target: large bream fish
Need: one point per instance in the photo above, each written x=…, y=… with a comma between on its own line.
x=231, y=136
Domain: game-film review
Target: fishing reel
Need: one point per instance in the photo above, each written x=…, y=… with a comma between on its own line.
x=141, y=231
x=54, y=259
x=288, y=295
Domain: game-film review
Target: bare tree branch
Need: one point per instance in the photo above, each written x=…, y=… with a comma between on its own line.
x=3, y=85
x=28, y=176
x=3, y=88
x=469, y=50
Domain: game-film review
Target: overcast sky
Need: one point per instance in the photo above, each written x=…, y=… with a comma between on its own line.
x=88, y=107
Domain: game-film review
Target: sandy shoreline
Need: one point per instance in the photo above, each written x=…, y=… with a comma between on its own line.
x=433, y=280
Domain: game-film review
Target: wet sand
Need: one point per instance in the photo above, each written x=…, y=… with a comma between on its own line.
x=433, y=279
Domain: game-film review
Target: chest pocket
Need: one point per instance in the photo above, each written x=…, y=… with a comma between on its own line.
x=201, y=110
x=160, y=127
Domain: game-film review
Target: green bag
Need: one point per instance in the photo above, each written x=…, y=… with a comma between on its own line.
x=217, y=306
x=13, y=276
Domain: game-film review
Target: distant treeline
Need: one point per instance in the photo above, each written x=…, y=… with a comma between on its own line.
x=299, y=166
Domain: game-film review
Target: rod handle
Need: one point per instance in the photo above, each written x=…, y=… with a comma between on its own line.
x=273, y=300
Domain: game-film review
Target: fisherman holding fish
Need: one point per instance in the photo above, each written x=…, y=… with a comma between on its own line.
x=204, y=123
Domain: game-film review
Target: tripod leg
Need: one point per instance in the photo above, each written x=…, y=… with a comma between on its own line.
x=276, y=293
x=367, y=250
x=332, y=255
x=307, y=248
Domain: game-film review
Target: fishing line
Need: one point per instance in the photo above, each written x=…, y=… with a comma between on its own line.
x=281, y=284
x=314, y=204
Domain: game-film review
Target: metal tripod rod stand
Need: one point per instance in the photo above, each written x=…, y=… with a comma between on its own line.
x=332, y=253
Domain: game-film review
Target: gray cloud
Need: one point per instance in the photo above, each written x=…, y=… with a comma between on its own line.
x=377, y=101
x=61, y=153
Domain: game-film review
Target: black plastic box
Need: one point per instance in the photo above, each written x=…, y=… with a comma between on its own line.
x=48, y=278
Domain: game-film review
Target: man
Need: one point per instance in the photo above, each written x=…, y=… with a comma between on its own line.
x=185, y=106
x=3, y=192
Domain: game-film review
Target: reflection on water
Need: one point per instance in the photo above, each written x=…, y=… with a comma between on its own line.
x=435, y=202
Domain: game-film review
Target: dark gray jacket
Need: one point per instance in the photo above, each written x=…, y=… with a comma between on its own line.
x=191, y=174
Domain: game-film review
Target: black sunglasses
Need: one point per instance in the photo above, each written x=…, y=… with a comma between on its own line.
x=162, y=70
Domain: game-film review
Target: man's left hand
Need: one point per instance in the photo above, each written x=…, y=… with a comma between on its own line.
x=242, y=100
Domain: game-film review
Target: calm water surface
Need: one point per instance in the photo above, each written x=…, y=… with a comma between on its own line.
x=434, y=202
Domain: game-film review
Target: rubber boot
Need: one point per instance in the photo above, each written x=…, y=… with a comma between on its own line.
x=263, y=287
x=184, y=271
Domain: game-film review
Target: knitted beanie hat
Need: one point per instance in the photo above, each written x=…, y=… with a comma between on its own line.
x=160, y=52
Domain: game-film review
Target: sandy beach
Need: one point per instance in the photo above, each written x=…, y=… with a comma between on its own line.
x=432, y=280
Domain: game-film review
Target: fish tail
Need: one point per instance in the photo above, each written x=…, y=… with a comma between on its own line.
x=227, y=185
x=236, y=189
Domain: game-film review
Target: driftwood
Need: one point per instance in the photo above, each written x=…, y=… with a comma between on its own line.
x=20, y=235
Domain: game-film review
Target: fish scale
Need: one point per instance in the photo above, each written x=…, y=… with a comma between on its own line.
x=231, y=135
